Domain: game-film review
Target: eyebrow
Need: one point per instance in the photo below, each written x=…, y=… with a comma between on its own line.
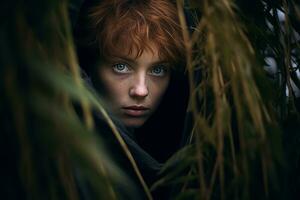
x=130, y=60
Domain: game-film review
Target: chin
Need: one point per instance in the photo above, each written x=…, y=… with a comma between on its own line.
x=134, y=123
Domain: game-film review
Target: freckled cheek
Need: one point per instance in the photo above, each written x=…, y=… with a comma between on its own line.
x=106, y=87
x=112, y=86
x=159, y=88
x=115, y=90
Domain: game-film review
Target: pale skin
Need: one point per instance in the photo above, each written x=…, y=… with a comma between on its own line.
x=135, y=85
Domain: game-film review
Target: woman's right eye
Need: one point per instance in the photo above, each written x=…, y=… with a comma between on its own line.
x=122, y=68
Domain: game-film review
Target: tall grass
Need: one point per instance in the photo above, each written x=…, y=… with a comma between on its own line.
x=52, y=153
x=242, y=144
x=236, y=148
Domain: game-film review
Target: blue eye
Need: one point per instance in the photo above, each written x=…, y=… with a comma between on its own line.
x=121, y=68
x=158, y=71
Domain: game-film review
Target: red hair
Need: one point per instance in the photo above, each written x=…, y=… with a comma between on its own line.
x=135, y=26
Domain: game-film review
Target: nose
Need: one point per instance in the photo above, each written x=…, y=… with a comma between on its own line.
x=139, y=88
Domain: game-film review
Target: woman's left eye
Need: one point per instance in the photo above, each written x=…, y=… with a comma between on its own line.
x=158, y=71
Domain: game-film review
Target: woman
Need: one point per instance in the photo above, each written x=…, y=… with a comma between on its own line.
x=134, y=53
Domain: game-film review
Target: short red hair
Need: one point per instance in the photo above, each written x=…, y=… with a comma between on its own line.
x=136, y=25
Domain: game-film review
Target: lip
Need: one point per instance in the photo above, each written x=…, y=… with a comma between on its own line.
x=135, y=111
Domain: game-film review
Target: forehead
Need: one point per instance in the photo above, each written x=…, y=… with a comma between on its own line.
x=148, y=50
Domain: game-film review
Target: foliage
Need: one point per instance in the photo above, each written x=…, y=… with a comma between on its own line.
x=244, y=139
x=239, y=111
x=50, y=152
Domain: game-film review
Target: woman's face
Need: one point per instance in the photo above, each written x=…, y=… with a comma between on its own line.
x=134, y=86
